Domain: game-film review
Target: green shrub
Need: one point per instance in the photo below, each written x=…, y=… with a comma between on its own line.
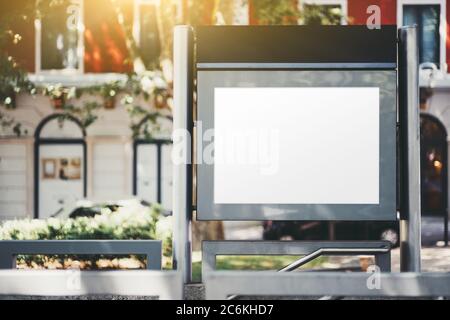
x=133, y=222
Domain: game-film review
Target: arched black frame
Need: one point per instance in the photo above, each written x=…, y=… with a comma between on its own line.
x=438, y=141
x=39, y=141
x=159, y=143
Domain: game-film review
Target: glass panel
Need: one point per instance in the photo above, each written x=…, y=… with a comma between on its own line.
x=218, y=91
x=149, y=37
x=427, y=19
x=59, y=37
x=322, y=14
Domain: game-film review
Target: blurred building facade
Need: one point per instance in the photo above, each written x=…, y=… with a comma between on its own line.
x=86, y=43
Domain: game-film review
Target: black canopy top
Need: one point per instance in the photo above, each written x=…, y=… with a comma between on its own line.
x=296, y=44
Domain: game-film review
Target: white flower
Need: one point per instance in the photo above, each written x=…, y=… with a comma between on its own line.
x=147, y=85
x=164, y=227
x=127, y=100
x=72, y=93
x=160, y=83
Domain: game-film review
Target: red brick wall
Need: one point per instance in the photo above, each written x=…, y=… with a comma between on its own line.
x=357, y=11
x=104, y=39
x=251, y=13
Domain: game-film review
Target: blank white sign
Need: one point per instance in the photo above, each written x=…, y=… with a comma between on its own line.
x=296, y=145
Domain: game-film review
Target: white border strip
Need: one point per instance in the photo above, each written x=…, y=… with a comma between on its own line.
x=167, y=285
x=222, y=284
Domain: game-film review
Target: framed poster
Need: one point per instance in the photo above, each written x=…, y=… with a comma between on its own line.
x=61, y=168
x=49, y=168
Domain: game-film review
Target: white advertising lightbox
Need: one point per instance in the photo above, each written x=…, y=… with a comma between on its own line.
x=297, y=145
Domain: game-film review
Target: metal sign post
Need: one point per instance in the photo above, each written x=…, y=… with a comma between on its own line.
x=410, y=211
x=254, y=78
x=182, y=123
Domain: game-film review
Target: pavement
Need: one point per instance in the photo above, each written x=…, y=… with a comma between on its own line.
x=434, y=259
x=432, y=230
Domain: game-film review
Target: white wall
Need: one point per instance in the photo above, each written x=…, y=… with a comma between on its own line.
x=15, y=179
x=59, y=130
x=111, y=165
x=109, y=156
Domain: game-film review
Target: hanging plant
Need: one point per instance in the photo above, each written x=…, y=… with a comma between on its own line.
x=8, y=123
x=58, y=95
x=58, y=102
x=109, y=102
x=157, y=93
x=148, y=125
x=109, y=93
x=8, y=97
x=86, y=113
x=161, y=98
x=12, y=81
x=152, y=86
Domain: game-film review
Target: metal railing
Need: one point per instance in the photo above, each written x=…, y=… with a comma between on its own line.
x=310, y=250
x=222, y=284
x=152, y=249
x=150, y=283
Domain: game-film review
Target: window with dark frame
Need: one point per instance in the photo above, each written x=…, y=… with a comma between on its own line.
x=104, y=47
x=60, y=37
x=427, y=19
x=149, y=40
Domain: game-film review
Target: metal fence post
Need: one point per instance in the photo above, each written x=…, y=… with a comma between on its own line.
x=183, y=122
x=410, y=220
x=7, y=259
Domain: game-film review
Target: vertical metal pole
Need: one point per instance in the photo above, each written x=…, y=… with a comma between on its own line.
x=182, y=122
x=446, y=228
x=445, y=190
x=410, y=219
x=159, y=173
